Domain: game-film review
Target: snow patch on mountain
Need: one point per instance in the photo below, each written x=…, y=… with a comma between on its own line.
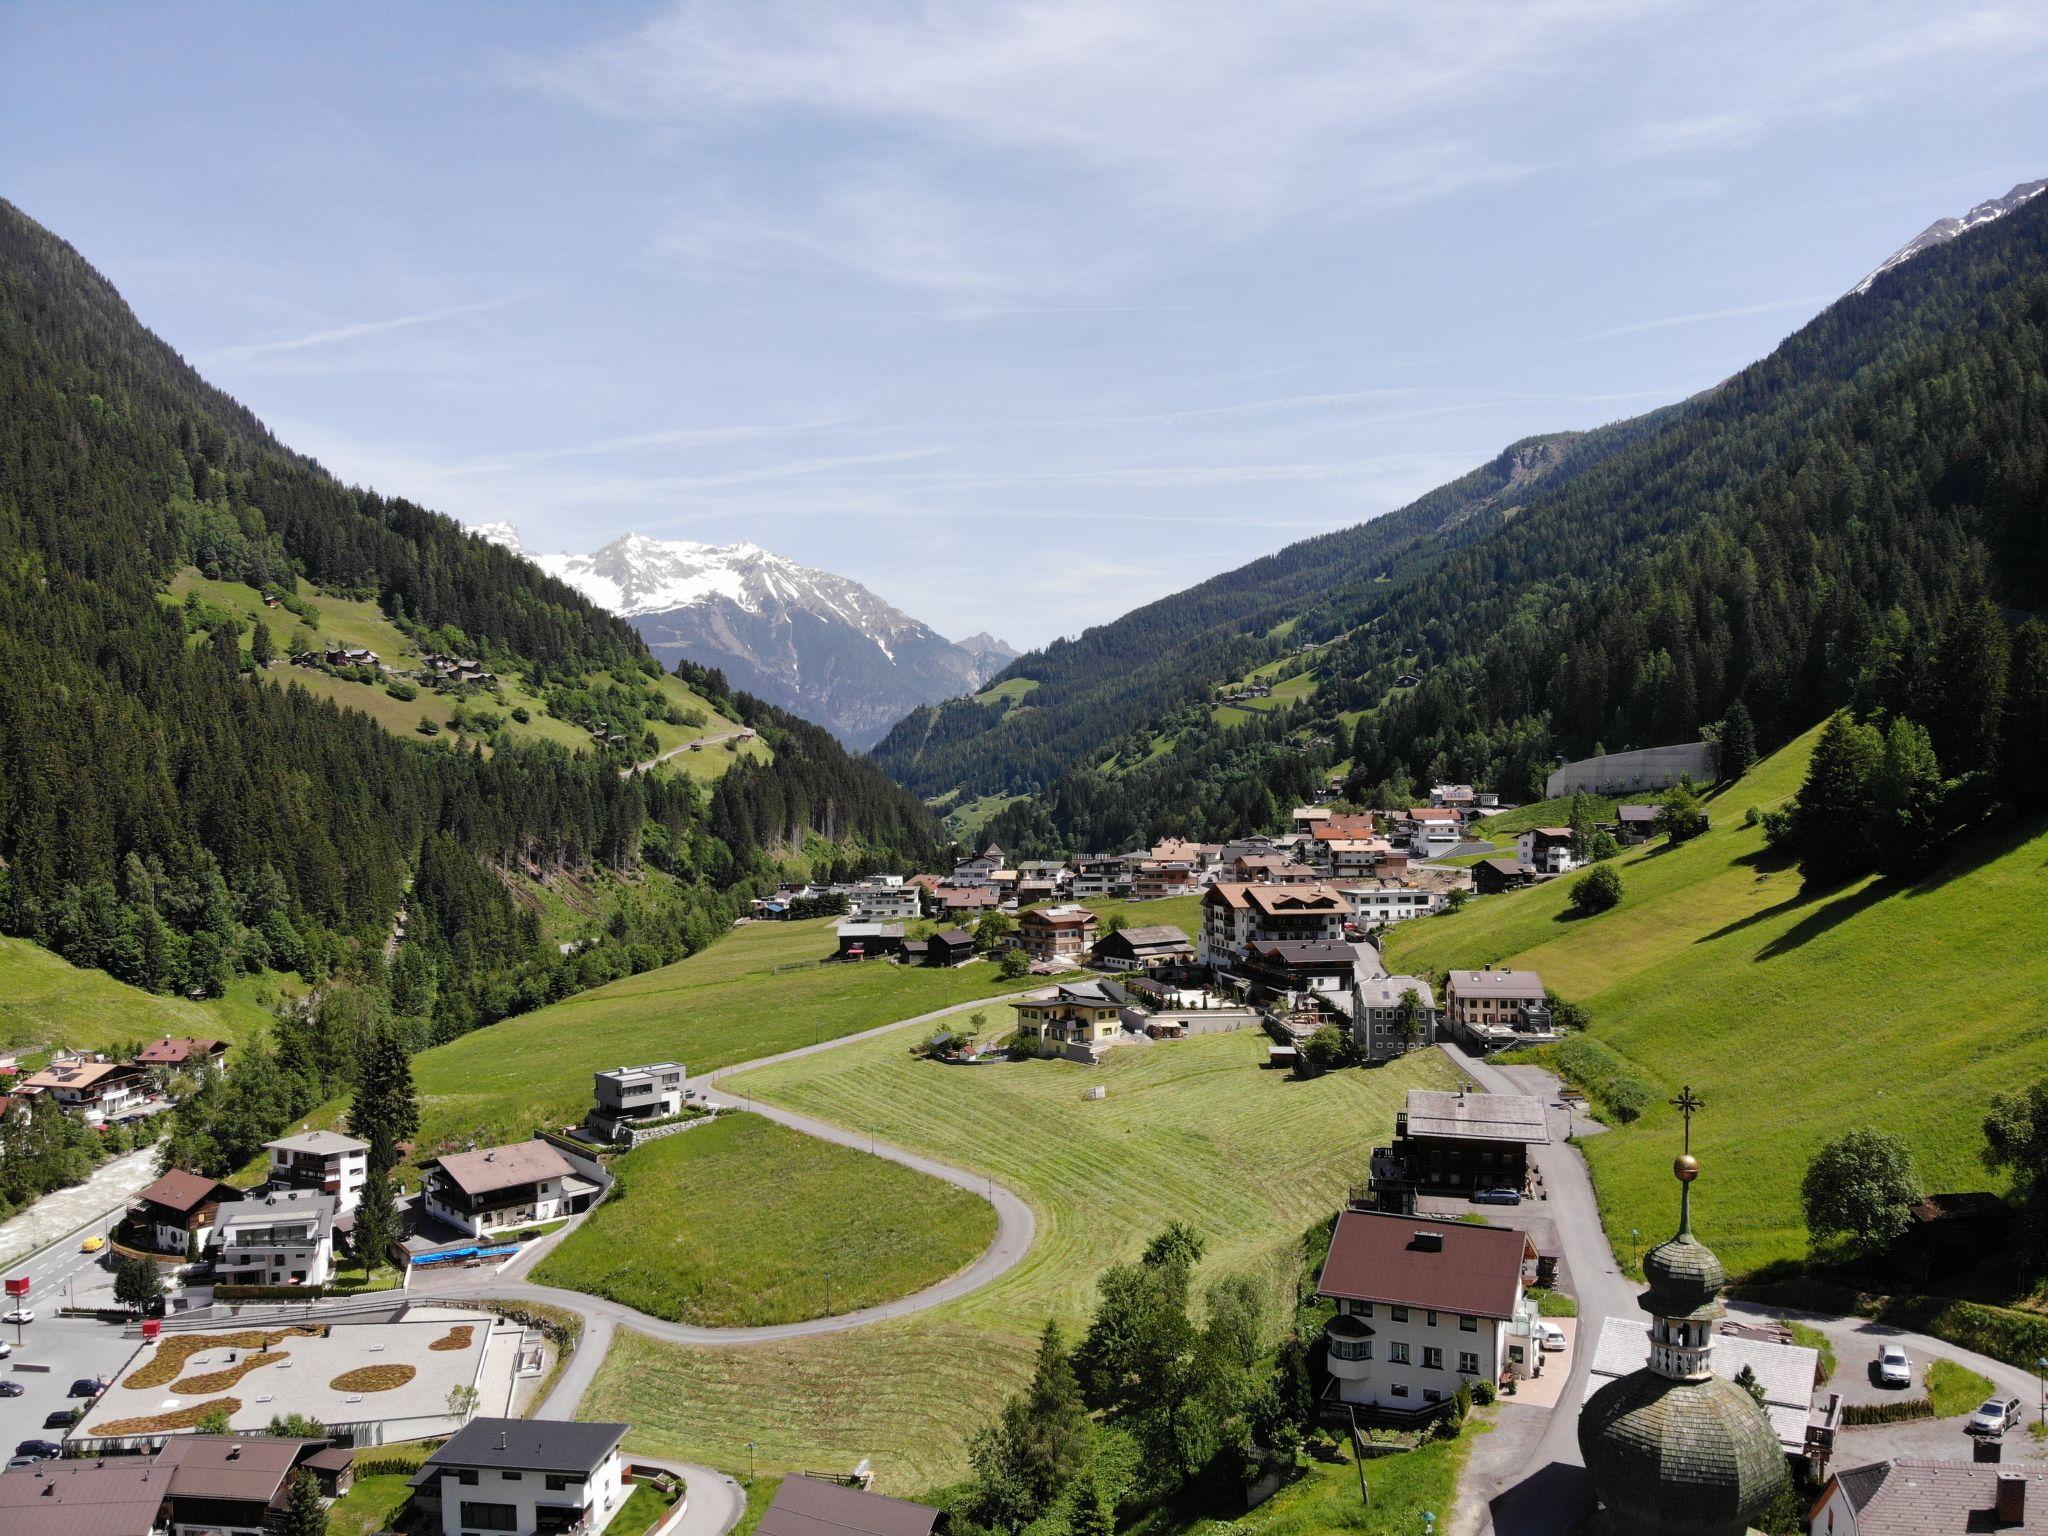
x=1941, y=231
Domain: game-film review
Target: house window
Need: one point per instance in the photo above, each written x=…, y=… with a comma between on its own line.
x=1362, y=1308
x=513, y=1477
x=1400, y=1389
x=1400, y=1314
x=1397, y=1353
x=1432, y=1359
x=1468, y=1363
x=1431, y=1395
x=490, y=1517
x=1351, y=1349
x=466, y=1476
x=1431, y=1317
x=560, y=1482
x=1468, y=1325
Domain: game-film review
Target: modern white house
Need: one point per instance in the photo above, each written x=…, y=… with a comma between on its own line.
x=635, y=1095
x=1386, y=901
x=277, y=1237
x=498, y=1189
x=1423, y=1307
x=326, y=1161
x=884, y=899
x=525, y=1477
x=1548, y=850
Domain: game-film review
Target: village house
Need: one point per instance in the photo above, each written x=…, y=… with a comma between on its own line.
x=1381, y=1027
x=1354, y=858
x=1908, y=1496
x=630, y=1096
x=810, y=1506
x=1490, y=1009
x=1157, y=879
x=865, y=941
x=1389, y=900
x=177, y=1213
x=1284, y=966
x=325, y=1161
x=1490, y=877
x=95, y=1091
x=884, y=899
x=1455, y=797
x=979, y=869
x=1144, y=949
x=968, y=900
x=1056, y=933
x=1547, y=849
x=524, y=1477
x=197, y=1485
x=1429, y=831
x=1078, y=1020
x=501, y=1188
x=1452, y=1142
x=1423, y=1307
x=182, y=1054
x=1236, y=916
x=953, y=946
x=1271, y=869
x=276, y=1237
x=1635, y=824
x=1099, y=874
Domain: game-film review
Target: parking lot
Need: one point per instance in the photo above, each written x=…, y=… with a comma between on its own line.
x=55, y=1351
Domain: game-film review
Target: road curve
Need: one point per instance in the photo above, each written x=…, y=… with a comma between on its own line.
x=1016, y=1227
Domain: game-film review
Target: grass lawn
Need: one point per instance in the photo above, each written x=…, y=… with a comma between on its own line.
x=760, y=1494
x=47, y=1001
x=1955, y=1389
x=1404, y=1488
x=1182, y=912
x=1011, y=692
x=643, y=1507
x=744, y=1222
x=722, y=1005
x=1796, y=1014
x=968, y=818
x=1192, y=1130
x=370, y=1505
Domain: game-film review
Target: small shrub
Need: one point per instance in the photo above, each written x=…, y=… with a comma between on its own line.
x=1903, y=1411
x=1484, y=1392
x=401, y=690
x=427, y=727
x=1598, y=890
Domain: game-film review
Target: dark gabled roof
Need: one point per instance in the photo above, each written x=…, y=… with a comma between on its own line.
x=1860, y=1484
x=249, y=1468
x=805, y=1506
x=179, y=1190
x=1413, y=1261
x=530, y=1445
x=957, y=938
x=117, y=1496
x=1307, y=952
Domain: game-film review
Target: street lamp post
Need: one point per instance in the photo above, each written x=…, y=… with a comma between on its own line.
x=750, y=1463
x=2041, y=1370
x=1635, y=1242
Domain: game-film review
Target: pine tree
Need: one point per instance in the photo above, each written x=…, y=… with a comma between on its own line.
x=1831, y=817
x=304, y=1514
x=1737, y=750
x=2023, y=735
x=376, y=1225
x=1907, y=795
x=1093, y=1515
x=385, y=1110
x=262, y=649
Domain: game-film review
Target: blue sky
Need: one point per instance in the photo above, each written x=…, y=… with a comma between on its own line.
x=1022, y=315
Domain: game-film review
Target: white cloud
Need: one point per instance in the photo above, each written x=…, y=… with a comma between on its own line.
x=357, y=330
x=1806, y=302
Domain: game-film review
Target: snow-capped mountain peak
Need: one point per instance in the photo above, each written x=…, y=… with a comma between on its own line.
x=820, y=644
x=1941, y=231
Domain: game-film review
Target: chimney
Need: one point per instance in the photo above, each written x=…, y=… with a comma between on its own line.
x=1428, y=1242
x=502, y=1446
x=2011, y=1508
x=235, y=1451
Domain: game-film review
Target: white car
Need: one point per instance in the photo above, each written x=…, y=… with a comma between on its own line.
x=19, y=1315
x=1549, y=1337
x=1894, y=1368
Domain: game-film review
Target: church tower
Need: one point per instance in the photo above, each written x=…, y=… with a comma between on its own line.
x=1673, y=1449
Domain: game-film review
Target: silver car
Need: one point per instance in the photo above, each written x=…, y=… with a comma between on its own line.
x=1894, y=1367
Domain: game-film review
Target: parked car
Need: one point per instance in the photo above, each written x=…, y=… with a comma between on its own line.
x=1549, y=1337
x=87, y=1386
x=1496, y=1196
x=1894, y=1367
x=11, y=1388
x=41, y=1450
x=19, y=1315
x=1995, y=1416
x=6, y=1349
x=62, y=1418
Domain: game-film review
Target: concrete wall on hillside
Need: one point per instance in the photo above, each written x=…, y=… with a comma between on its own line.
x=1621, y=772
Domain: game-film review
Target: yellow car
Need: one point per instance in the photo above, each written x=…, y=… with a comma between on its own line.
x=92, y=1245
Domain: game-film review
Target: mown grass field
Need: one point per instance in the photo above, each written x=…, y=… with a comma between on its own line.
x=1404, y=1488
x=966, y=819
x=1192, y=1130
x=726, y=1004
x=1796, y=1014
x=352, y=622
x=47, y=1001
x=1012, y=692
x=744, y=1222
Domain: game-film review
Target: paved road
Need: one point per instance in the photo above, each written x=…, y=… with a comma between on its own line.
x=106, y=1193
x=1526, y=1482
x=701, y=741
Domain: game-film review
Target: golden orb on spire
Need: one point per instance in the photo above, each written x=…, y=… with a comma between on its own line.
x=1686, y=1166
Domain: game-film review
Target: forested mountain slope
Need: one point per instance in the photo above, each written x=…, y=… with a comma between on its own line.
x=165, y=818
x=1807, y=528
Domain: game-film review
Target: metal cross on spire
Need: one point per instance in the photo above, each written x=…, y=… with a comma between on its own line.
x=1688, y=1104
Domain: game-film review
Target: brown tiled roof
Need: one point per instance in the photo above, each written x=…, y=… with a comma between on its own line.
x=805, y=1506
x=1496, y=983
x=113, y=1497
x=242, y=1467
x=1057, y=917
x=172, y=1051
x=1471, y=1270
x=179, y=1190
x=79, y=1074
x=523, y=1162
x=1942, y=1498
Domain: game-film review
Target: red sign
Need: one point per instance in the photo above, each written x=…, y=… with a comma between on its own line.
x=18, y=1287
x=151, y=1327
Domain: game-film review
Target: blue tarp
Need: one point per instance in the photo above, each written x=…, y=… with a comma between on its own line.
x=447, y=1254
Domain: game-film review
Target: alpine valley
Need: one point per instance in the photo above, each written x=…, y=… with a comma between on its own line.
x=814, y=643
